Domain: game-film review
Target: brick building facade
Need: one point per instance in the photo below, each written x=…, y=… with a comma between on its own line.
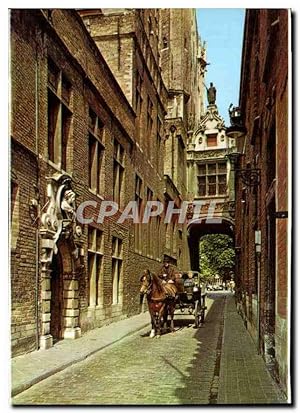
x=89, y=117
x=155, y=54
x=262, y=236
x=183, y=74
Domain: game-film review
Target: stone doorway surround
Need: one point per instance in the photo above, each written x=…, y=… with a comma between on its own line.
x=60, y=234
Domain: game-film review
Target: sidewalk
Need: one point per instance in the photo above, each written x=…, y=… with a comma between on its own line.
x=244, y=378
x=31, y=368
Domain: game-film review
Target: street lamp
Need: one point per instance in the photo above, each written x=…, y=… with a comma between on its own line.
x=237, y=130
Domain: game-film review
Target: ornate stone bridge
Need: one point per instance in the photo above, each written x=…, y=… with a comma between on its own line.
x=210, y=180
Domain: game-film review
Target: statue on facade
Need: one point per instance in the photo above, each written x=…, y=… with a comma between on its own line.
x=68, y=204
x=211, y=94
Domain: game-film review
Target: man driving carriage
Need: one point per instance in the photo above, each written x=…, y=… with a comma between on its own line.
x=167, y=274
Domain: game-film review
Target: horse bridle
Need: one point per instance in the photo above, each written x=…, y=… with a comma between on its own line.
x=148, y=291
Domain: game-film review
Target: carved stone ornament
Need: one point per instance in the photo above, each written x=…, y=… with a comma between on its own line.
x=218, y=153
x=59, y=217
x=211, y=115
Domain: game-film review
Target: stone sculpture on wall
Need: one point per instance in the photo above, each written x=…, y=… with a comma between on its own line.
x=60, y=216
x=211, y=94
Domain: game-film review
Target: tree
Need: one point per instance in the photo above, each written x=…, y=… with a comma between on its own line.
x=217, y=256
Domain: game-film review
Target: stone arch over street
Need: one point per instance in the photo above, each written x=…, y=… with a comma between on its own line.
x=199, y=227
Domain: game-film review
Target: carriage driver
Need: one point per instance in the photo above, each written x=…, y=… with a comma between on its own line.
x=167, y=274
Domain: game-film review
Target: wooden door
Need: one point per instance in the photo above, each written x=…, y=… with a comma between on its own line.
x=56, y=299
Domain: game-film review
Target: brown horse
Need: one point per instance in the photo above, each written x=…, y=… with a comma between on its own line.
x=159, y=303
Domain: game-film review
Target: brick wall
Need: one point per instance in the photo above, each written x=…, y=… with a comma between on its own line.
x=102, y=74
x=264, y=102
x=23, y=254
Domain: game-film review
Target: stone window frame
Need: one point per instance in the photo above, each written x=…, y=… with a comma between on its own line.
x=117, y=270
x=60, y=116
x=96, y=152
x=95, y=266
x=208, y=179
x=118, y=172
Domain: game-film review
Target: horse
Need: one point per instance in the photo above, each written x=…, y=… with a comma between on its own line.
x=160, y=304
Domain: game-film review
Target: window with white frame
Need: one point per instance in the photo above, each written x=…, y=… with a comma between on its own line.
x=95, y=262
x=212, y=179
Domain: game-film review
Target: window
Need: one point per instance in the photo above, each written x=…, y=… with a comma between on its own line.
x=139, y=200
x=138, y=93
x=212, y=185
x=118, y=172
x=95, y=261
x=212, y=179
x=158, y=143
x=181, y=161
x=174, y=237
x=212, y=139
x=117, y=261
x=59, y=116
x=159, y=239
x=149, y=114
x=202, y=185
x=149, y=227
x=96, y=152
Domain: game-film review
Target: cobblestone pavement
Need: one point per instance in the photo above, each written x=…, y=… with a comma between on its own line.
x=179, y=368
x=31, y=368
x=243, y=375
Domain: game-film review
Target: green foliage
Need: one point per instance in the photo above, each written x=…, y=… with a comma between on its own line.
x=217, y=255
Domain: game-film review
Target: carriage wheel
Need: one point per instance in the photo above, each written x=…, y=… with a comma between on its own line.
x=197, y=314
x=202, y=315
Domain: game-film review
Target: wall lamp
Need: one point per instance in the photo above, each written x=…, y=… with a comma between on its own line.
x=237, y=130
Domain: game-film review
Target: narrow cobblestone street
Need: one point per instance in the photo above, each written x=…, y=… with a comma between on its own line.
x=217, y=363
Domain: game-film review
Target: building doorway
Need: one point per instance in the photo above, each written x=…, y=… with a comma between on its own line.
x=56, y=304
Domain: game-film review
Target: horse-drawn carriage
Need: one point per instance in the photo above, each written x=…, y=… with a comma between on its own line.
x=191, y=292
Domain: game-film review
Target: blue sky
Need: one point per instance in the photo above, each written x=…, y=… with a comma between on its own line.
x=222, y=29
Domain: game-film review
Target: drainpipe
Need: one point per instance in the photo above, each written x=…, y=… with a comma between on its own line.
x=258, y=263
x=37, y=240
